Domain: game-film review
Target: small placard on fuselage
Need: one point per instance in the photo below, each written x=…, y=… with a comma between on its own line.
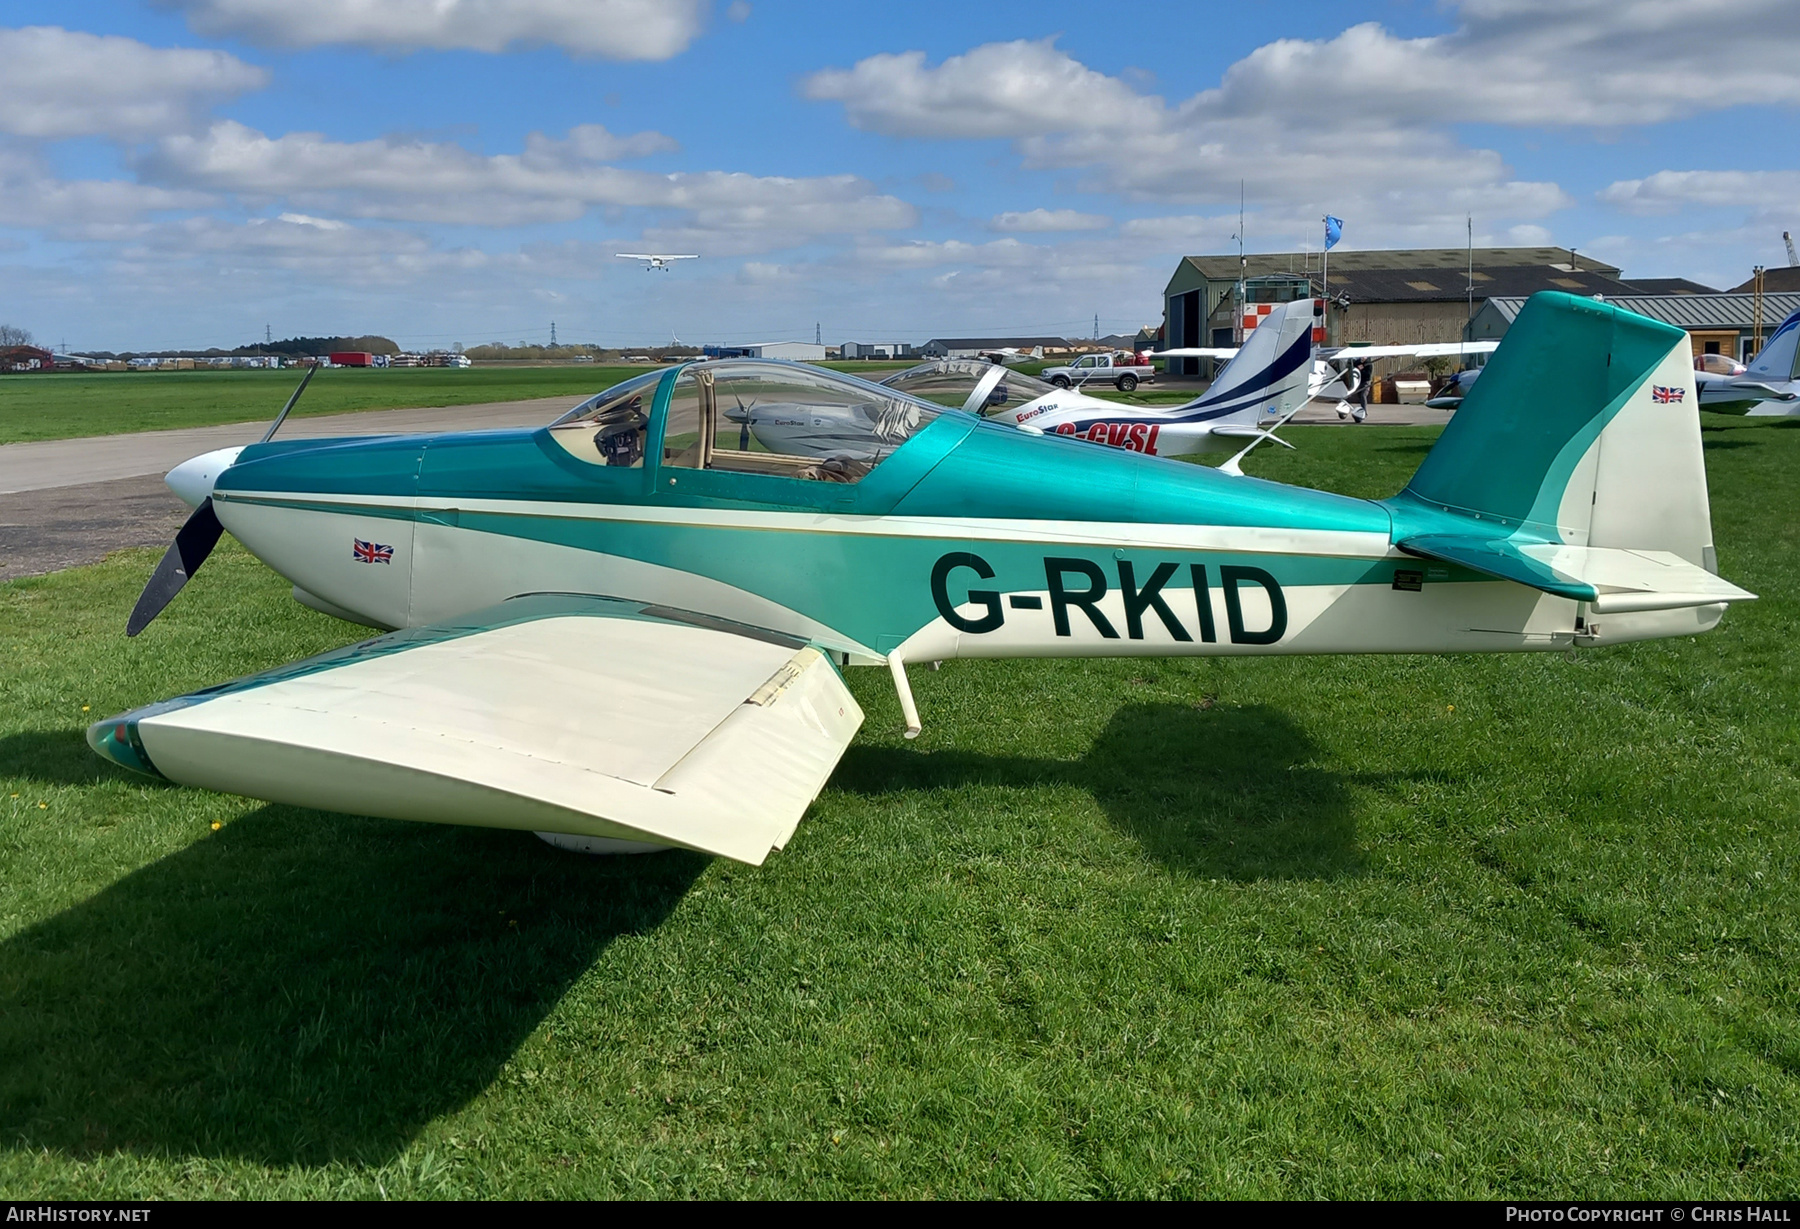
x=1409, y=580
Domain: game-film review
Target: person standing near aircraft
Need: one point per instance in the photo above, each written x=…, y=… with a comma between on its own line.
x=1355, y=404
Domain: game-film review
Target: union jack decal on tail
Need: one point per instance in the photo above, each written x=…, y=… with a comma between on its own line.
x=1664, y=394
x=371, y=552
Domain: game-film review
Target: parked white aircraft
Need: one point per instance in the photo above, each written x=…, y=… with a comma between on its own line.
x=1267, y=379
x=1770, y=386
x=656, y=262
x=1333, y=372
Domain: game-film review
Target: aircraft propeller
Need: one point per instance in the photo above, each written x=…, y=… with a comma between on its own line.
x=194, y=541
x=744, y=422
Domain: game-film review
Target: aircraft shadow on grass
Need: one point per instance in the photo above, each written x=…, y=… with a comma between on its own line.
x=302, y=987
x=1214, y=791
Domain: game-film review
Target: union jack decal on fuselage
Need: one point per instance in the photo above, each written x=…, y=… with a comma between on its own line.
x=1664, y=394
x=370, y=552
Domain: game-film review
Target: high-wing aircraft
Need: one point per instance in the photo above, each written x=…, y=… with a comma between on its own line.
x=1334, y=371
x=629, y=628
x=1266, y=379
x=657, y=263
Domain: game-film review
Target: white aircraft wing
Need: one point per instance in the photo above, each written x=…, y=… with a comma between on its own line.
x=1196, y=352
x=1435, y=349
x=551, y=713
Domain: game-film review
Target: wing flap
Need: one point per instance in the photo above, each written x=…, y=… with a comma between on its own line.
x=1612, y=580
x=567, y=715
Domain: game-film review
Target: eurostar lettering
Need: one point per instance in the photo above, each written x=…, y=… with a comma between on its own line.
x=1080, y=585
x=1131, y=436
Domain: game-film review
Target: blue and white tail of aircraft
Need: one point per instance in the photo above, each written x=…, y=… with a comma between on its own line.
x=1776, y=370
x=1268, y=378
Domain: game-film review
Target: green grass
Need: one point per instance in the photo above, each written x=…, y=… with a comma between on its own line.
x=53, y=407
x=1408, y=926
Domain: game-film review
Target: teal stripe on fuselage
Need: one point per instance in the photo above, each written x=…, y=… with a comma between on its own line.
x=871, y=586
x=956, y=467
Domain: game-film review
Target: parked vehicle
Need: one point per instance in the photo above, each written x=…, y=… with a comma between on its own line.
x=1122, y=371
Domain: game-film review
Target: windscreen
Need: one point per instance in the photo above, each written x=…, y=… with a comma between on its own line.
x=610, y=428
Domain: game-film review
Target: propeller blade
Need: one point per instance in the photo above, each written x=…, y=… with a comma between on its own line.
x=192, y=545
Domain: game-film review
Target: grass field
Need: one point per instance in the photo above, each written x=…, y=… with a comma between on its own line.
x=53, y=407
x=1408, y=926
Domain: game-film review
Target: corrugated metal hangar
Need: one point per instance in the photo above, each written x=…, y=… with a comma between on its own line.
x=1394, y=296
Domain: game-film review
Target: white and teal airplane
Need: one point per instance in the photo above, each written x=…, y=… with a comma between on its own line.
x=628, y=629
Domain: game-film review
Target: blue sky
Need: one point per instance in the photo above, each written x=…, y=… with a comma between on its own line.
x=179, y=173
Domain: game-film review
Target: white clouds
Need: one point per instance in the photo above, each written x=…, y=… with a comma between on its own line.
x=1048, y=221
x=1356, y=122
x=1012, y=89
x=553, y=180
x=64, y=83
x=610, y=29
x=1063, y=115
x=1672, y=191
x=32, y=196
x=1541, y=62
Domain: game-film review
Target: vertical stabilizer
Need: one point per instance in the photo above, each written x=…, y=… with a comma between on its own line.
x=1268, y=377
x=1583, y=430
x=1779, y=359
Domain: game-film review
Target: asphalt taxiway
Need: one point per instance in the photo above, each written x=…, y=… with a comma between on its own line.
x=68, y=502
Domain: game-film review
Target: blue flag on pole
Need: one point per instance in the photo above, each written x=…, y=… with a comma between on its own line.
x=1334, y=230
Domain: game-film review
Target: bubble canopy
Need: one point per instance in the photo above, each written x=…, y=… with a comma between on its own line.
x=748, y=415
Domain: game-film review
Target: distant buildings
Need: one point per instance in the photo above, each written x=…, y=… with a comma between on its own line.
x=1715, y=323
x=976, y=347
x=802, y=350
x=878, y=349
x=1397, y=296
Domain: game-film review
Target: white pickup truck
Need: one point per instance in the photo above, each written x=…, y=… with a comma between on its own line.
x=1122, y=371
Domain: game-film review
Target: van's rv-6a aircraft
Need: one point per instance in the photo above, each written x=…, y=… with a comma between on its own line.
x=628, y=629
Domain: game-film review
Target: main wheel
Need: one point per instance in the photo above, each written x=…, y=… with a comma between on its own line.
x=1060, y=381
x=1127, y=384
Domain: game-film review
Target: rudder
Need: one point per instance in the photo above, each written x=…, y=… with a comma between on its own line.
x=1583, y=430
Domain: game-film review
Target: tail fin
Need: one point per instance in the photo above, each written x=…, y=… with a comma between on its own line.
x=1268, y=376
x=1779, y=359
x=1574, y=465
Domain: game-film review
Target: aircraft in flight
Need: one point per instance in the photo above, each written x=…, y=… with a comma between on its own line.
x=654, y=262
x=629, y=629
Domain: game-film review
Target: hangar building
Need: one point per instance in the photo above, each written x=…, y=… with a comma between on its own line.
x=1393, y=296
x=803, y=350
x=1715, y=323
x=975, y=347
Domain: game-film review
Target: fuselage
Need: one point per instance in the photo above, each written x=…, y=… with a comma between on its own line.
x=972, y=539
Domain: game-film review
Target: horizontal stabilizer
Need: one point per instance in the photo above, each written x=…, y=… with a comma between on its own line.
x=1612, y=580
